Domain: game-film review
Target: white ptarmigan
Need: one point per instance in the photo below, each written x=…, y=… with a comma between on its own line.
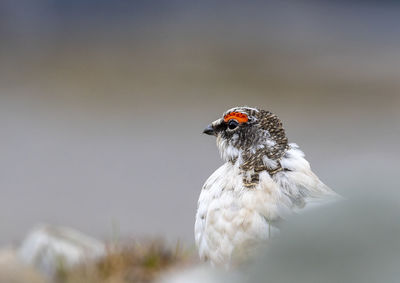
x=264, y=178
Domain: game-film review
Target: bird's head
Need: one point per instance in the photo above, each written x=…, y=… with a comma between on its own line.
x=245, y=133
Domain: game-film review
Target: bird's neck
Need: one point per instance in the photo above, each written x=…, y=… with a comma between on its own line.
x=261, y=160
x=252, y=162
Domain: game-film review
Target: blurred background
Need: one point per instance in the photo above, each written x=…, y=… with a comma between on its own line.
x=102, y=103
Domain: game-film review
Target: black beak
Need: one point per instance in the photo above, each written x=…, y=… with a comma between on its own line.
x=209, y=130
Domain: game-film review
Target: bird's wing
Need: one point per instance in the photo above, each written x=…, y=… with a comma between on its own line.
x=299, y=184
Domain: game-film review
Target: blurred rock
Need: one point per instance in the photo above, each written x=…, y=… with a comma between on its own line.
x=12, y=270
x=354, y=241
x=200, y=274
x=54, y=249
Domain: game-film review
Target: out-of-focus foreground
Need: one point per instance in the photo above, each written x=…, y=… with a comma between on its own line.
x=64, y=255
x=102, y=104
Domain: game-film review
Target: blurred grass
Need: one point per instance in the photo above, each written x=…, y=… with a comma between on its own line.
x=129, y=263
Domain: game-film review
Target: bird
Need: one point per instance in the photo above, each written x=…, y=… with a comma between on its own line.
x=264, y=179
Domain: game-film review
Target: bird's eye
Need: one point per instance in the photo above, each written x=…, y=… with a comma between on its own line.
x=232, y=124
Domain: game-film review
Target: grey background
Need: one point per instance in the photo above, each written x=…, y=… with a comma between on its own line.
x=102, y=106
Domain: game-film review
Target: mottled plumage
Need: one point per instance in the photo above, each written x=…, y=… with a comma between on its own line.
x=264, y=179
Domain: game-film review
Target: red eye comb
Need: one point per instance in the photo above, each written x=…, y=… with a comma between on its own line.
x=240, y=117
